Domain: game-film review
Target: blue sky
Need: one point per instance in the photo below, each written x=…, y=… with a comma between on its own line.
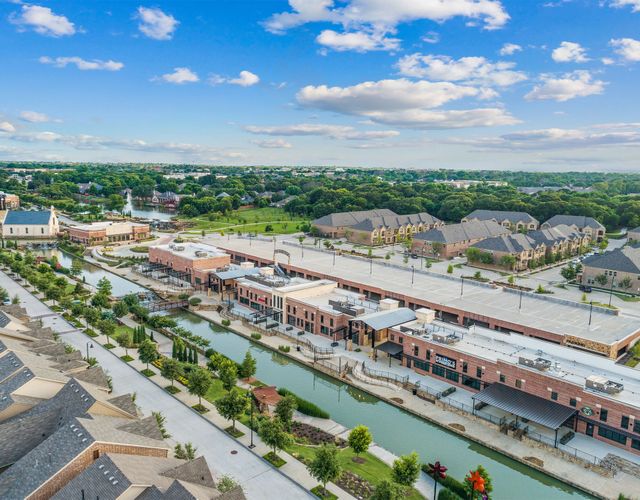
x=511, y=84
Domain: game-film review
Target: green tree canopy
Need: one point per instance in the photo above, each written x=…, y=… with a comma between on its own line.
x=359, y=439
x=232, y=405
x=325, y=466
x=406, y=469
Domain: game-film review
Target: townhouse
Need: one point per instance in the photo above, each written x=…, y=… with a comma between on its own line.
x=514, y=221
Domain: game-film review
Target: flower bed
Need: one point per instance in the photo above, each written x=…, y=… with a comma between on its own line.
x=274, y=459
x=234, y=432
x=320, y=492
x=355, y=485
x=171, y=389
x=148, y=373
x=126, y=358
x=314, y=435
x=201, y=409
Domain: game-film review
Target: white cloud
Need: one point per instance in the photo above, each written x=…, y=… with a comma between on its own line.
x=404, y=103
x=273, y=144
x=607, y=61
x=627, y=48
x=568, y=86
x=244, y=79
x=430, y=37
x=179, y=76
x=509, y=49
x=596, y=136
x=634, y=4
x=35, y=117
x=569, y=52
x=318, y=129
x=82, y=64
x=156, y=24
x=7, y=127
x=386, y=15
x=42, y=20
x=471, y=70
x=358, y=41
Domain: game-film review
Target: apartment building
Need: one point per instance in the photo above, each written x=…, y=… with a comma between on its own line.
x=514, y=221
x=583, y=224
x=556, y=388
x=99, y=233
x=617, y=269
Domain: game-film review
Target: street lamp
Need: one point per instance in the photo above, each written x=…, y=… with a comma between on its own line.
x=89, y=345
x=413, y=272
x=611, y=291
x=249, y=396
x=461, y=285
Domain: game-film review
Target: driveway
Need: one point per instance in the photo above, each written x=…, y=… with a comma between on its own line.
x=224, y=454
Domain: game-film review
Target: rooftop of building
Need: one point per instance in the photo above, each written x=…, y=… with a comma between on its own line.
x=518, y=242
x=97, y=226
x=501, y=215
x=347, y=219
x=28, y=217
x=464, y=231
x=550, y=314
x=576, y=220
x=563, y=363
x=626, y=259
x=395, y=221
x=191, y=250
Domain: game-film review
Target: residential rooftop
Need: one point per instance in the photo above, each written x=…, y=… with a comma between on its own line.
x=463, y=232
x=501, y=215
x=626, y=259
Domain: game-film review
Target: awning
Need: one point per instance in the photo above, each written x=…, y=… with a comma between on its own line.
x=386, y=319
x=534, y=408
x=390, y=348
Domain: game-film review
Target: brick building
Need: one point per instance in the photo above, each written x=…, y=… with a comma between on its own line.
x=514, y=221
x=108, y=232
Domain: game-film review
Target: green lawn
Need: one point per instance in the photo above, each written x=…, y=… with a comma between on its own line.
x=216, y=391
x=373, y=469
x=249, y=220
x=123, y=328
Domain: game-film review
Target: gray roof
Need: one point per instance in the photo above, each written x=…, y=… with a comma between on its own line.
x=626, y=259
x=386, y=319
x=4, y=319
x=556, y=234
x=27, y=217
x=500, y=215
x=539, y=410
x=395, y=221
x=580, y=221
x=9, y=364
x=465, y=231
x=508, y=243
x=236, y=273
x=102, y=479
x=348, y=219
x=11, y=384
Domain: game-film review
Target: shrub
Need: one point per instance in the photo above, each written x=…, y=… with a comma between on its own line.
x=256, y=336
x=446, y=494
x=304, y=406
x=226, y=322
x=194, y=301
x=284, y=348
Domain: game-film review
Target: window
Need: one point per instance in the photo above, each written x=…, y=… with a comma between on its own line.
x=604, y=414
x=330, y=321
x=428, y=354
x=636, y=426
x=96, y=454
x=321, y=318
x=635, y=443
x=479, y=372
x=451, y=375
x=624, y=422
x=26, y=230
x=573, y=402
x=474, y=383
x=519, y=383
x=41, y=230
x=11, y=230
x=421, y=365
x=503, y=379
x=611, y=435
x=416, y=351
x=554, y=395
x=438, y=370
x=465, y=367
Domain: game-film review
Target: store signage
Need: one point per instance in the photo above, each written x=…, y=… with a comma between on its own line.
x=445, y=361
x=587, y=411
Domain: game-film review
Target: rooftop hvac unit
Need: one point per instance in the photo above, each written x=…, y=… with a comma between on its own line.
x=177, y=248
x=538, y=363
x=445, y=339
x=201, y=253
x=425, y=315
x=602, y=384
x=246, y=265
x=388, y=304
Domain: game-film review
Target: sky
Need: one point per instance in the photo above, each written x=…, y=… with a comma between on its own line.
x=548, y=85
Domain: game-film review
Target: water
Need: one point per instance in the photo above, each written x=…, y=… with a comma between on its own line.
x=148, y=212
x=397, y=431
x=92, y=274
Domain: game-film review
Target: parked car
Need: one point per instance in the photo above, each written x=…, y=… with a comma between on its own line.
x=6, y=301
x=585, y=288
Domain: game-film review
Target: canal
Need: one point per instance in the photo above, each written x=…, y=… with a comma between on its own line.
x=393, y=429
x=147, y=211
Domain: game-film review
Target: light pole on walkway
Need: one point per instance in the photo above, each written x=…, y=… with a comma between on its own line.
x=89, y=345
x=249, y=396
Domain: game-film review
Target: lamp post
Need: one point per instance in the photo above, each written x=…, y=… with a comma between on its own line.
x=611, y=291
x=461, y=285
x=334, y=258
x=413, y=272
x=89, y=345
x=590, y=311
x=251, y=445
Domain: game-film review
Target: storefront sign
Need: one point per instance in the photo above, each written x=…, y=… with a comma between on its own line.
x=445, y=361
x=587, y=411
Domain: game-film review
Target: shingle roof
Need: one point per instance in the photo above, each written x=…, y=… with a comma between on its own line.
x=500, y=215
x=508, y=243
x=27, y=217
x=348, y=219
x=626, y=259
x=580, y=221
x=102, y=479
x=9, y=364
x=465, y=231
x=553, y=235
x=395, y=221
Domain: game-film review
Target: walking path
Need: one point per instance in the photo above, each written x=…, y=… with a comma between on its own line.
x=223, y=453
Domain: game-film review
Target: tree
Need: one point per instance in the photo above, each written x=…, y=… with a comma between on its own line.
x=232, y=405
x=325, y=466
x=449, y=269
x=107, y=328
x=188, y=452
x=248, y=366
x=76, y=267
x=601, y=279
x=228, y=374
x=147, y=352
x=104, y=286
x=199, y=382
x=91, y=314
x=359, y=439
x=124, y=340
x=273, y=434
x=120, y=309
x=100, y=300
x=625, y=283
x=406, y=469
x=285, y=409
x=171, y=369
x=387, y=490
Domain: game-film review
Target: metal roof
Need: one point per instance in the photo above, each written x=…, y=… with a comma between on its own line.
x=26, y=217
x=386, y=319
x=236, y=273
x=539, y=410
x=390, y=348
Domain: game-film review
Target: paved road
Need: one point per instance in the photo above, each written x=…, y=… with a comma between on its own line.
x=258, y=479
